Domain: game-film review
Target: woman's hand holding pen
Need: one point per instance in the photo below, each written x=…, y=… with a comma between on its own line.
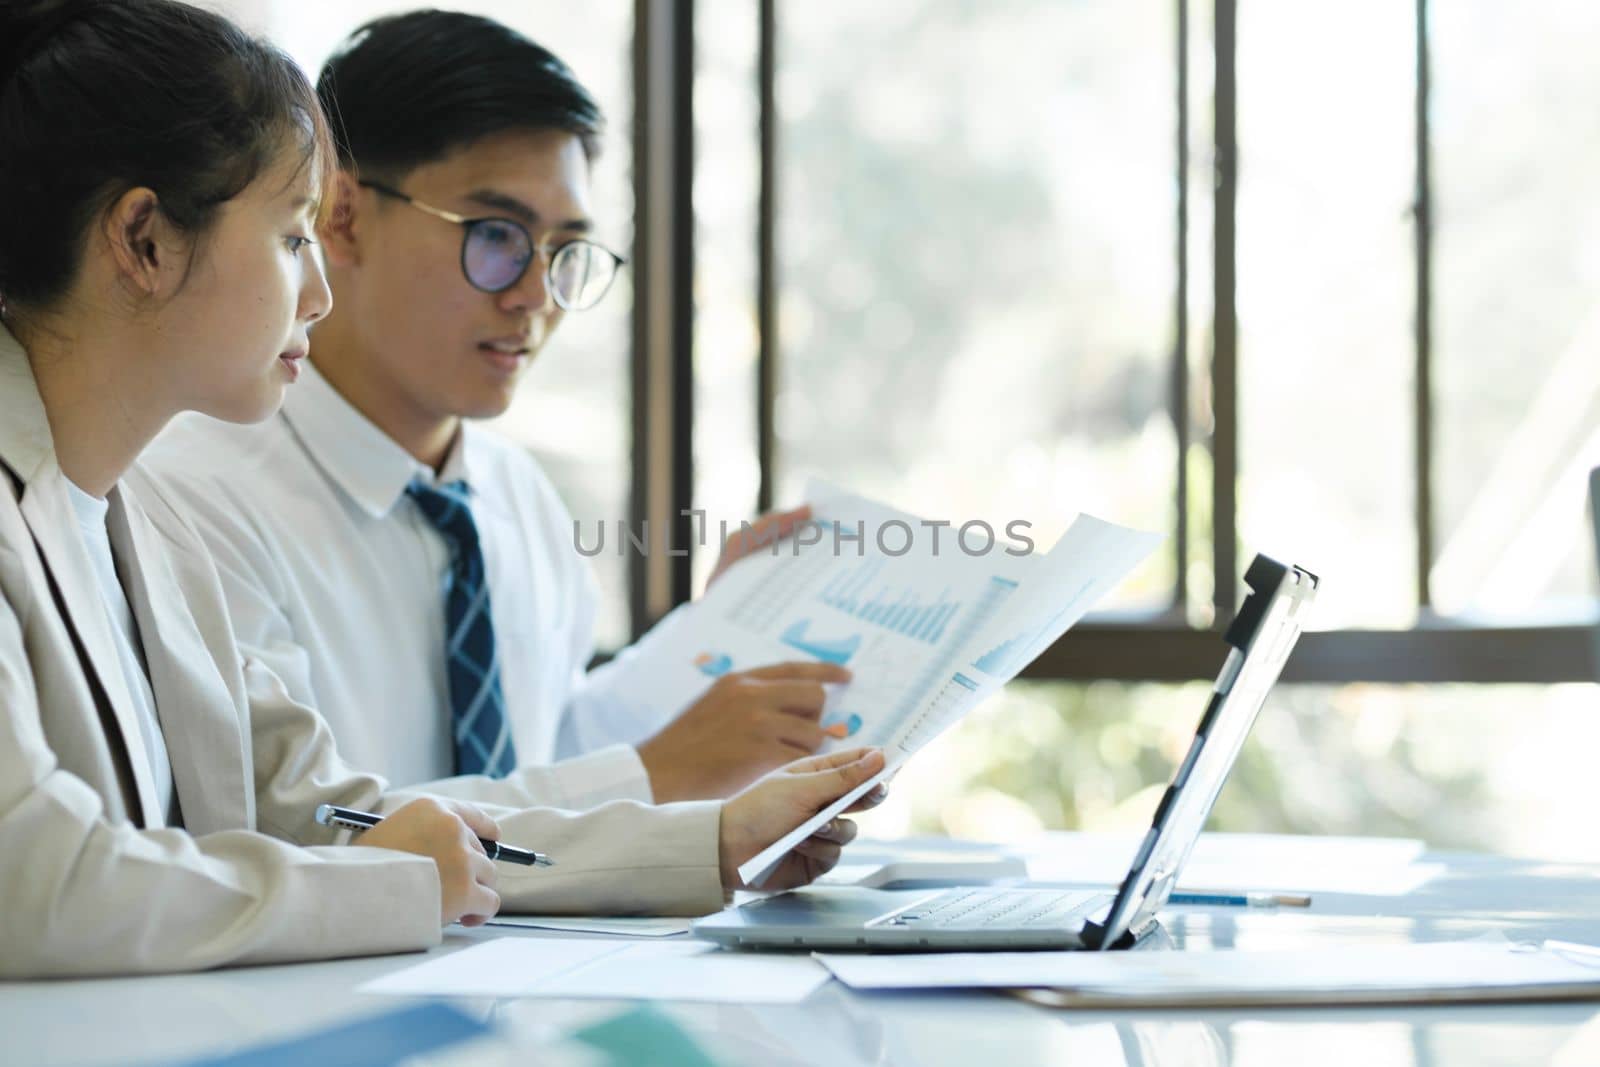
x=784, y=799
x=447, y=832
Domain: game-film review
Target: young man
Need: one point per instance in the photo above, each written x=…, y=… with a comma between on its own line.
x=403, y=570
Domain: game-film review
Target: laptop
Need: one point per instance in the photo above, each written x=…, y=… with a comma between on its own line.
x=985, y=917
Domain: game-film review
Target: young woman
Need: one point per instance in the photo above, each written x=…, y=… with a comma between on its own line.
x=159, y=178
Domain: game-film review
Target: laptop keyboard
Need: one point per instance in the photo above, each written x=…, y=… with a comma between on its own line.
x=976, y=909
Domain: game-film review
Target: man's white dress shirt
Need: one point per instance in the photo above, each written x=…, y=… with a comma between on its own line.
x=334, y=579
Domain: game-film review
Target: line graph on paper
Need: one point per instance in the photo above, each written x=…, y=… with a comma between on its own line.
x=947, y=706
x=915, y=693
x=1011, y=654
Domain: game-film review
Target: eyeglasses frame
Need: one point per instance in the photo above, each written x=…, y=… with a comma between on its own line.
x=467, y=222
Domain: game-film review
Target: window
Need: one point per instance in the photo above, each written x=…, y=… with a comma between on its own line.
x=1325, y=296
x=1265, y=280
x=1498, y=768
x=1516, y=147
x=977, y=205
x=1008, y=219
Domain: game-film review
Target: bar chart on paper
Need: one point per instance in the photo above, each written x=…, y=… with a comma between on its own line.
x=859, y=593
x=889, y=702
x=883, y=620
x=999, y=657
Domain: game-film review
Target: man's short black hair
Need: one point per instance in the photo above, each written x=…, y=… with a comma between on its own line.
x=407, y=89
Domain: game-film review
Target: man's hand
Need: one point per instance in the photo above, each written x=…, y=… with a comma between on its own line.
x=447, y=832
x=773, y=526
x=748, y=723
x=783, y=800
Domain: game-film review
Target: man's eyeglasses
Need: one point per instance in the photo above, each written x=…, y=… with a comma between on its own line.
x=496, y=252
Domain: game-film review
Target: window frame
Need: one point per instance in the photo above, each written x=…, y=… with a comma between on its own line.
x=1160, y=647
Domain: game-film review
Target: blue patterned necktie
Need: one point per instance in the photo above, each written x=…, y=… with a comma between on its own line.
x=478, y=708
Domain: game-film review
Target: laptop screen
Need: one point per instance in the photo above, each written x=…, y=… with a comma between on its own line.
x=1263, y=633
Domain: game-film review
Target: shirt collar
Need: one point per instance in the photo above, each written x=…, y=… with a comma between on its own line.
x=362, y=460
x=25, y=441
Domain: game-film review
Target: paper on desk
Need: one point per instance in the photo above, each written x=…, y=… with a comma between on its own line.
x=1464, y=970
x=607, y=969
x=1370, y=867
x=911, y=865
x=504, y=967
x=692, y=971
x=1374, y=866
x=626, y=926
x=1582, y=1048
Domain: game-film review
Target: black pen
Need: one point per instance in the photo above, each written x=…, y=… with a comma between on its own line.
x=351, y=819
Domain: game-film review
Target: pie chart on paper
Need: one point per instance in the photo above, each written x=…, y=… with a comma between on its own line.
x=713, y=664
x=841, y=724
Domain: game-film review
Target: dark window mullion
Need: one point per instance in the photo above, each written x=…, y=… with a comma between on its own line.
x=1180, y=341
x=1422, y=210
x=766, y=266
x=638, y=388
x=1225, y=333
x=683, y=264
x=663, y=313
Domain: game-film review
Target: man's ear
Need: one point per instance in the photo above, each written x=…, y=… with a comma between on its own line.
x=150, y=254
x=342, y=230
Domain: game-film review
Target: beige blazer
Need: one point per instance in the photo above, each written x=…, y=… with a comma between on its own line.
x=86, y=888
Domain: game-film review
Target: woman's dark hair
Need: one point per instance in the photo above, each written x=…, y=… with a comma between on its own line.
x=407, y=89
x=98, y=97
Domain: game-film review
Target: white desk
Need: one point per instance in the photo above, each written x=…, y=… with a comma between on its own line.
x=172, y=1017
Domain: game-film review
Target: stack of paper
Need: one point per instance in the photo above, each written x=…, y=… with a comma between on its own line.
x=1374, y=866
x=626, y=926
x=607, y=969
x=1358, y=974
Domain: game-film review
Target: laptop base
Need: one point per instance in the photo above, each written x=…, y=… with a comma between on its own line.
x=843, y=918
